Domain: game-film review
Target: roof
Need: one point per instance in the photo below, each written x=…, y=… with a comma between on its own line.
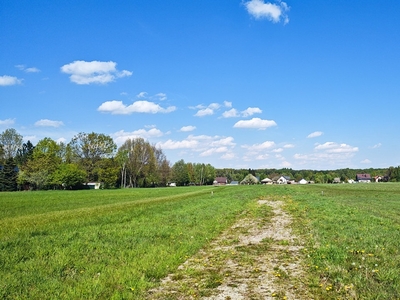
x=221, y=180
x=363, y=176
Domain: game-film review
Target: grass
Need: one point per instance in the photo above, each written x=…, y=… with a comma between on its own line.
x=352, y=235
x=106, y=244
x=118, y=244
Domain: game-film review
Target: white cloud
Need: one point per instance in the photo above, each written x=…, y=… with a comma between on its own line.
x=365, y=161
x=32, y=70
x=87, y=72
x=187, y=128
x=227, y=104
x=212, y=151
x=48, y=123
x=287, y=146
x=262, y=157
x=162, y=96
x=315, y=134
x=329, y=153
x=121, y=136
x=331, y=147
x=272, y=12
x=206, y=111
x=27, y=70
x=376, y=146
x=228, y=141
x=286, y=164
x=9, y=80
x=7, y=122
x=259, y=147
x=278, y=150
x=228, y=156
x=230, y=113
x=141, y=95
x=116, y=107
x=255, y=123
x=251, y=111
x=173, y=145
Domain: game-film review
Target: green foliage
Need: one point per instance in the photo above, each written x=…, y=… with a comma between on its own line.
x=10, y=141
x=88, y=149
x=69, y=176
x=180, y=174
x=8, y=176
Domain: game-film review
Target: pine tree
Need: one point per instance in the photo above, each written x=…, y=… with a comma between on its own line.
x=8, y=176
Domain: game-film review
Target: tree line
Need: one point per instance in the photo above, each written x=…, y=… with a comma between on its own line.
x=94, y=157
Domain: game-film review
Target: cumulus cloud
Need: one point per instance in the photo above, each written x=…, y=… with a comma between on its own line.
x=232, y=113
x=27, y=70
x=212, y=151
x=258, y=147
x=7, y=122
x=315, y=134
x=329, y=153
x=205, y=144
x=332, y=147
x=227, y=104
x=287, y=146
x=121, y=136
x=173, y=145
x=266, y=10
x=251, y=111
x=206, y=111
x=88, y=72
x=161, y=96
x=48, y=123
x=116, y=107
x=255, y=123
x=187, y=128
x=365, y=161
x=6, y=80
x=142, y=95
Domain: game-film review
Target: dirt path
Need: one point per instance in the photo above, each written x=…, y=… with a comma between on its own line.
x=257, y=258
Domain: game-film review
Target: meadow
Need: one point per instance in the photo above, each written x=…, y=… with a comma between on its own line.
x=118, y=244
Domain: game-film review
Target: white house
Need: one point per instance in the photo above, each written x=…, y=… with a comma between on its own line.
x=303, y=181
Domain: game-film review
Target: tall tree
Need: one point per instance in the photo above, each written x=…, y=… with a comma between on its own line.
x=10, y=141
x=8, y=176
x=46, y=159
x=180, y=173
x=89, y=148
x=24, y=153
x=141, y=161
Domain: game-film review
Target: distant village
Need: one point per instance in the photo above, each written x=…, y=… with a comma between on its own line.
x=251, y=179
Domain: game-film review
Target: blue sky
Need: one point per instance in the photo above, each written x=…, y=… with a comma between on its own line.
x=233, y=83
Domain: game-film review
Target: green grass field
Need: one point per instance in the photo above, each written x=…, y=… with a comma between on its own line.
x=117, y=244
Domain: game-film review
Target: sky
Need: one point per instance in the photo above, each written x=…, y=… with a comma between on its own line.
x=233, y=83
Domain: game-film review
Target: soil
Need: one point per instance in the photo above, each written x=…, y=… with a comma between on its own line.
x=257, y=258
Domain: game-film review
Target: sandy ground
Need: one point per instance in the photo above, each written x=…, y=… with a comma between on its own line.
x=253, y=259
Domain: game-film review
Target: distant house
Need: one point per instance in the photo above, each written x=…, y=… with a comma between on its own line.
x=303, y=181
x=93, y=185
x=336, y=180
x=250, y=179
x=220, y=181
x=363, y=177
x=283, y=180
x=266, y=181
